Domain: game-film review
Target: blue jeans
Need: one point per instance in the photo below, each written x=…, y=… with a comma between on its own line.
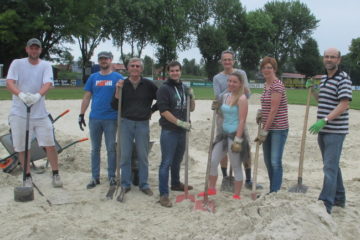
x=172, y=152
x=138, y=131
x=333, y=190
x=273, y=148
x=97, y=127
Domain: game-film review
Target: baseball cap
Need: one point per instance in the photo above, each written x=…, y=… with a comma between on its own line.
x=33, y=41
x=105, y=55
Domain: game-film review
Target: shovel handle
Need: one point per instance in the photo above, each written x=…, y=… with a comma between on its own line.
x=256, y=163
x=303, y=137
x=209, y=157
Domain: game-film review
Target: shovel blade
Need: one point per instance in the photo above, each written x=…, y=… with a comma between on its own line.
x=182, y=197
x=298, y=188
x=227, y=184
x=23, y=194
x=208, y=206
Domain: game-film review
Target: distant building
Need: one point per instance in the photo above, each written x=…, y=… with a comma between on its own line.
x=297, y=80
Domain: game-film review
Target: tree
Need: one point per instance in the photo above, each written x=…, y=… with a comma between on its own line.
x=308, y=61
x=90, y=32
x=211, y=42
x=257, y=39
x=174, y=33
x=148, y=65
x=354, y=51
x=293, y=23
x=48, y=20
x=230, y=16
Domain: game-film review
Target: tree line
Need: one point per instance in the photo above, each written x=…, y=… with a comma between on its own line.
x=279, y=29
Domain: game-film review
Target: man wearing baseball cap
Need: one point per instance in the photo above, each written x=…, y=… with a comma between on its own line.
x=29, y=79
x=99, y=89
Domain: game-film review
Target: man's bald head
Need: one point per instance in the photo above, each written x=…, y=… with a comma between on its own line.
x=332, y=51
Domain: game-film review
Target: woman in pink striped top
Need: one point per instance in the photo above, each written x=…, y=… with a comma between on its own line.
x=274, y=119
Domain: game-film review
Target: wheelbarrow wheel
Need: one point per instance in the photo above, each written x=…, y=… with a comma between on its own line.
x=14, y=163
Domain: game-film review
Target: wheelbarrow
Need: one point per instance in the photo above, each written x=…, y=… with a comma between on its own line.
x=10, y=162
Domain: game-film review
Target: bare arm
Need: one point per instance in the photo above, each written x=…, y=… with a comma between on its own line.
x=192, y=105
x=85, y=102
x=243, y=107
x=169, y=116
x=340, y=108
x=45, y=88
x=275, y=102
x=11, y=86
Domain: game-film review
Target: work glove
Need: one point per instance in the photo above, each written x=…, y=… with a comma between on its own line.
x=258, y=116
x=184, y=125
x=191, y=93
x=236, y=145
x=309, y=83
x=81, y=121
x=262, y=136
x=24, y=97
x=34, y=98
x=316, y=127
x=215, y=105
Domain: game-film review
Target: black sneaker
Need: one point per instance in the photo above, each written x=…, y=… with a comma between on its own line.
x=248, y=185
x=93, y=183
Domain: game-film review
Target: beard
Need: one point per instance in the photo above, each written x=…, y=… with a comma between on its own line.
x=105, y=66
x=331, y=66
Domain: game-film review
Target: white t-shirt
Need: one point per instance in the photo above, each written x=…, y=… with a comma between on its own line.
x=29, y=79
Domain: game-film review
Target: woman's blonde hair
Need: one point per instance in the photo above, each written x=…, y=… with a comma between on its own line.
x=241, y=90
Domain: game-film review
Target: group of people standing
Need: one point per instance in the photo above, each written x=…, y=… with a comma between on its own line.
x=30, y=78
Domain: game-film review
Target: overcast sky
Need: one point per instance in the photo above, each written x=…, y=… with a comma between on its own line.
x=339, y=24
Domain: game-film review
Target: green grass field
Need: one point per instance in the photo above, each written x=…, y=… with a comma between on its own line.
x=295, y=96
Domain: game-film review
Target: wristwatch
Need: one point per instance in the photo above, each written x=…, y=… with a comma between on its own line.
x=326, y=119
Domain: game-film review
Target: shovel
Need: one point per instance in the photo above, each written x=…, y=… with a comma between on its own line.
x=256, y=163
x=113, y=189
x=23, y=193
x=206, y=204
x=299, y=187
x=227, y=184
x=186, y=195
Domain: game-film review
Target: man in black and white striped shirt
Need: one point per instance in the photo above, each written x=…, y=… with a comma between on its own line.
x=332, y=126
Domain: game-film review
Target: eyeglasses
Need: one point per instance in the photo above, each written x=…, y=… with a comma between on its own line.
x=135, y=66
x=331, y=57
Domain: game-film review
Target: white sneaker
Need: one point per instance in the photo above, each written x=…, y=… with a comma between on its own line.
x=28, y=182
x=56, y=181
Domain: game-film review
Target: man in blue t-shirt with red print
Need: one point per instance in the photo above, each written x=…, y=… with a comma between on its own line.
x=100, y=88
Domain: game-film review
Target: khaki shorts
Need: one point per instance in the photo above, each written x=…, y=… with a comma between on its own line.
x=41, y=128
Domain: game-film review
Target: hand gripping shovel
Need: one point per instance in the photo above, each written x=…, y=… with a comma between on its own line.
x=299, y=187
x=256, y=164
x=24, y=193
x=113, y=189
x=206, y=204
x=186, y=195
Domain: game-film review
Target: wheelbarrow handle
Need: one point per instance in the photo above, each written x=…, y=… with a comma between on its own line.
x=70, y=144
x=62, y=114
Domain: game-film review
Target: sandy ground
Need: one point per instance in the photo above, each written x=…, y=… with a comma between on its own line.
x=77, y=213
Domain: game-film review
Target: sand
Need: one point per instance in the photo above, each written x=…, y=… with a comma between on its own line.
x=78, y=213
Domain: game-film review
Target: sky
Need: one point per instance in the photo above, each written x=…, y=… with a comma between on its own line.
x=339, y=24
